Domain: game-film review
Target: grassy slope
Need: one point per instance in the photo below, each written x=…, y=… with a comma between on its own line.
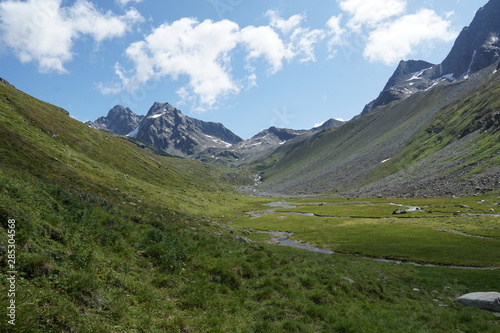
x=351, y=156
x=478, y=111
x=42, y=140
x=112, y=239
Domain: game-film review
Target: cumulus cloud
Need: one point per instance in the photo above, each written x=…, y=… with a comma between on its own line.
x=393, y=41
x=371, y=12
x=186, y=47
x=301, y=40
x=44, y=31
x=383, y=30
x=335, y=33
x=203, y=51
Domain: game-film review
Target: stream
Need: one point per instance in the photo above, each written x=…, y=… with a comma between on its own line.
x=283, y=238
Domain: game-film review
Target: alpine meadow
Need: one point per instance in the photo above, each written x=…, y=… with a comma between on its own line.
x=157, y=221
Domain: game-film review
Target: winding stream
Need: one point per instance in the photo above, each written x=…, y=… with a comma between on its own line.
x=283, y=238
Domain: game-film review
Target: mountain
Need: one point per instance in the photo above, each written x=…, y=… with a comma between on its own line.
x=330, y=123
x=120, y=120
x=166, y=128
x=477, y=47
x=440, y=142
x=261, y=145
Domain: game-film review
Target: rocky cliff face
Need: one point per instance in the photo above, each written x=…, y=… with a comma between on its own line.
x=477, y=47
x=168, y=129
x=120, y=120
x=260, y=145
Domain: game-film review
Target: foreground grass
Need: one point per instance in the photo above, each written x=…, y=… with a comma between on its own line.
x=88, y=265
x=110, y=238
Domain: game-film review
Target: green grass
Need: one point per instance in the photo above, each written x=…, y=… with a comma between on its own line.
x=370, y=229
x=111, y=238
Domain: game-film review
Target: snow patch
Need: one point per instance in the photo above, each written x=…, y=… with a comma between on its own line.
x=417, y=75
x=219, y=141
x=134, y=133
x=385, y=161
x=156, y=116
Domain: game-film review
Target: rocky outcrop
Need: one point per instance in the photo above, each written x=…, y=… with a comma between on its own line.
x=477, y=47
x=407, y=79
x=167, y=128
x=483, y=300
x=120, y=120
x=260, y=145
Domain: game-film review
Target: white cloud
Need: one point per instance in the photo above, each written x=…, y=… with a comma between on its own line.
x=203, y=52
x=43, y=31
x=371, y=12
x=125, y=2
x=285, y=26
x=335, y=33
x=393, y=41
x=186, y=47
x=300, y=41
x=265, y=42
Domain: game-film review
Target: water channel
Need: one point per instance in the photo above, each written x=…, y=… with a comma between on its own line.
x=283, y=238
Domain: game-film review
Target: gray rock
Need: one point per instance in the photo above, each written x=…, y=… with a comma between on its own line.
x=120, y=120
x=399, y=211
x=241, y=239
x=483, y=300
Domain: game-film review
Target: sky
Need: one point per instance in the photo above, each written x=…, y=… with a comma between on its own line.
x=247, y=64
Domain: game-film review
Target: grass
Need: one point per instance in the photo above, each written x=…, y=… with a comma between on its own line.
x=368, y=228
x=111, y=238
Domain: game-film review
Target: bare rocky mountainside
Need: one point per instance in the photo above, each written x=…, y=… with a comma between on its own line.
x=477, y=47
x=167, y=129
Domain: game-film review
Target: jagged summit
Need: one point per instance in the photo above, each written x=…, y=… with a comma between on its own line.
x=165, y=127
x=120, y=120
x=477, y=47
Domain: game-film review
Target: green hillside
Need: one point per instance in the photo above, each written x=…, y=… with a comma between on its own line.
x=112, y=238
x=375, y=154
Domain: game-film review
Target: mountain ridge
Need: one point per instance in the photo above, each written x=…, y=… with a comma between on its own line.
x=168, y=129
x=476, y=47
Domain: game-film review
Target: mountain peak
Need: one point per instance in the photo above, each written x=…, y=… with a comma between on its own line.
x=120, y=120
x=476, y=47
x=158, y=109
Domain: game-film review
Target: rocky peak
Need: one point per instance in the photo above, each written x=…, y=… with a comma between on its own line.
x=168, y=129
x=120, y=120
x=477, y=47
x=330, y=123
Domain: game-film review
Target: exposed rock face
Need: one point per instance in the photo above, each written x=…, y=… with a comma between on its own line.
x=483, y=300
x=167, y=128
x=477, y=47
x=330, y=123
x=260, y=145
x=406, y=80
x=120, y=120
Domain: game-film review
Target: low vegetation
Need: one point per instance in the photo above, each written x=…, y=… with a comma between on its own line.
x=111, y=238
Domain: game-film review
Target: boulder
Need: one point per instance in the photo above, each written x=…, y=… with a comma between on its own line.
x=483, y=300
x=399, y=211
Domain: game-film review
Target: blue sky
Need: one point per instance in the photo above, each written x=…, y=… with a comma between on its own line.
x=247, y=64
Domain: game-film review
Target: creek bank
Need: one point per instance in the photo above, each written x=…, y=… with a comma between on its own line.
x=283, y=238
